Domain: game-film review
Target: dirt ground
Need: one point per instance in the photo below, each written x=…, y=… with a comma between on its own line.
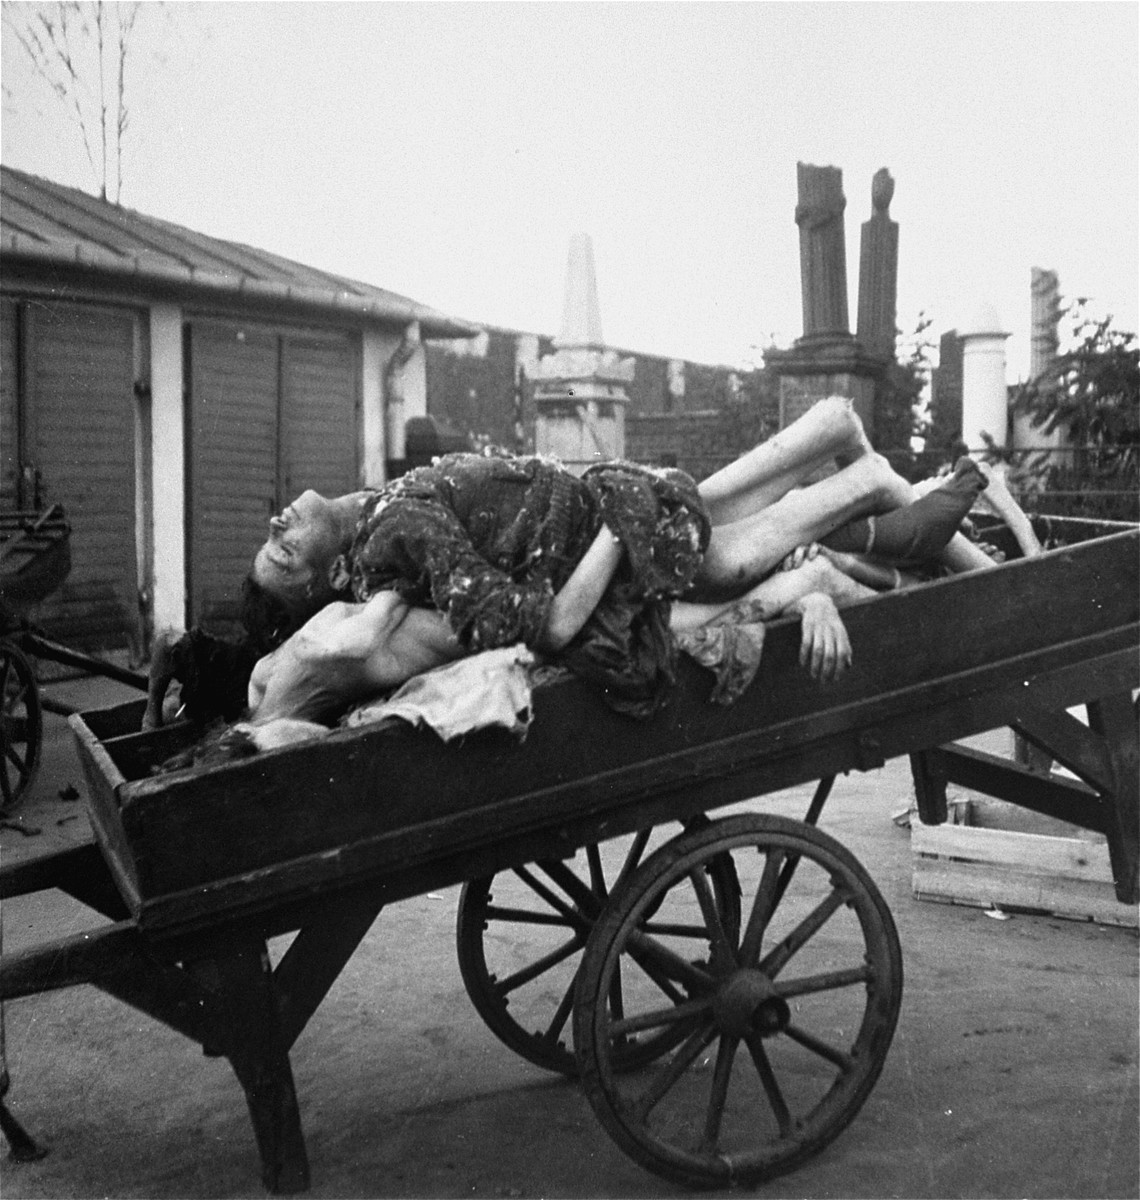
x=1013, y=1072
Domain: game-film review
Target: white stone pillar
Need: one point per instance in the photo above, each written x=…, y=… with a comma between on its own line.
x=405, y=390
x=985, y=402
x=168, y=467
x=375, y=349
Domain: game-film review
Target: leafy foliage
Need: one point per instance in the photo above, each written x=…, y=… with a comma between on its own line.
x=898, y=402
x=1091, y=394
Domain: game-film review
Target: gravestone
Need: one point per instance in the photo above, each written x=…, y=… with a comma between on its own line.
x=827, y=360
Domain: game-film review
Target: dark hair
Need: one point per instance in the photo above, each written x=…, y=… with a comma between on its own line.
x=266, y=620
x=215, y=671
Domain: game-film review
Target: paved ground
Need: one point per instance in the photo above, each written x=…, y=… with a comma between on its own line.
x=1013, y=1072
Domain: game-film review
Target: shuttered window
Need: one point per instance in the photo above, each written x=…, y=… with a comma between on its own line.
x=9, y=400
x=79, y=442
x=271, y=414
x=232, y=468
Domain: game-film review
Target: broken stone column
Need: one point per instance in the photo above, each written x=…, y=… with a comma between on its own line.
x=582, y=389
x=1045, y=316
x=827, y=360
x=1044, y=343
x=878, y=271
x=823, y=251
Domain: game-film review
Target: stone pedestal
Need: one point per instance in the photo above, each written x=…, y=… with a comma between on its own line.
x=817, y=367
x=580, y=397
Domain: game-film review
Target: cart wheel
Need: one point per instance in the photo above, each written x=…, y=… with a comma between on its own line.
x=521, y=934
x=21, y=726
x=780, y=1035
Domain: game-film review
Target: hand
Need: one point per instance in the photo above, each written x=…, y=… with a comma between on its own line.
x=799, y=556
x=824, y=646
x=159, y=676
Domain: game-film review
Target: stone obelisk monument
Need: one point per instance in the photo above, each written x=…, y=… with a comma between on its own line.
x=581, y=390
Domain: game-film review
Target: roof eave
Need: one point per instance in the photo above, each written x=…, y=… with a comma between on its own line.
x=18, y=249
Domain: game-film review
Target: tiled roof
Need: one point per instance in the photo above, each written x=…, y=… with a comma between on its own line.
x=45, y=223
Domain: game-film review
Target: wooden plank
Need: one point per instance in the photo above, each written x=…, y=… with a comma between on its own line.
x=1050, y=795
x=1067, y=877
x=1031, y=853
x=1069, y=741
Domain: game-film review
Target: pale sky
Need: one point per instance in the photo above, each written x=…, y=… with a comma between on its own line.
x=449, y=151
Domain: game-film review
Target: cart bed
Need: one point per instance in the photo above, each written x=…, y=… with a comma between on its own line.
x=1017, y=646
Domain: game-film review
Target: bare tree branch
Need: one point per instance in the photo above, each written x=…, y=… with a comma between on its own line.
x=69, y=46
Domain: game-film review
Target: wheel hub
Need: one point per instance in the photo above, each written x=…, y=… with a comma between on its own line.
x=747, y=1002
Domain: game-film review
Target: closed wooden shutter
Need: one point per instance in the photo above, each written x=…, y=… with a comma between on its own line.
x=9, y=401
x=232, y=469
x=80, y=438
x=318, y=415
x=271, y=414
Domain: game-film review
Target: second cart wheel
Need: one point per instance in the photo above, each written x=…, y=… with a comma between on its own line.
x=520, y=937
x=779, y=1035
x=21, y=726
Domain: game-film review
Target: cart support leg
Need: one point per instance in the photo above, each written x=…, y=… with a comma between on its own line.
x=1115, y=719
x=928, y=769
x=260, y=1059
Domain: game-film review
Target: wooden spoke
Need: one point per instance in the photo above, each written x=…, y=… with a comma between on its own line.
x=723, y=947
x=841, y=1059
x=556, y=902
x=775, y=961
x=825, y=982
x=686, y=1054
x=770, y=1084
x=718, y=1095
x=762, y=908
x=539, y=967
x=655, y=1018
x=526, y=916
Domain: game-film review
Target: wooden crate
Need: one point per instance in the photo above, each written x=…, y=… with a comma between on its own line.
x=984, y=867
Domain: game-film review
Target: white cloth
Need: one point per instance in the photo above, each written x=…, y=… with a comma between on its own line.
x=482, y=690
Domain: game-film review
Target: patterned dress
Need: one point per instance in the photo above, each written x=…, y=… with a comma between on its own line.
x=489, y=541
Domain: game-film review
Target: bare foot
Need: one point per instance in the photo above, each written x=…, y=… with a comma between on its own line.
x=854, y=443
x=886, y=488
x=999, y=500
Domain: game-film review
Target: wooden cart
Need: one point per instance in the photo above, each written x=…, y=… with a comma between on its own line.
x=732, y=994
x=35, y=558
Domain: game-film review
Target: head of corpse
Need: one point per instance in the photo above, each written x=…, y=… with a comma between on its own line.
x=300, y=563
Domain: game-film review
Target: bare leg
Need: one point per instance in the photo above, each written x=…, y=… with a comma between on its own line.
x=773, y=596
x=744, y=551
x=878, y=575
x=830, y=429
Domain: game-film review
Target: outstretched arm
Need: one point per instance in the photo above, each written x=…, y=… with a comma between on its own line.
x=810, y=591
x=160, y=676
x=580, y=594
